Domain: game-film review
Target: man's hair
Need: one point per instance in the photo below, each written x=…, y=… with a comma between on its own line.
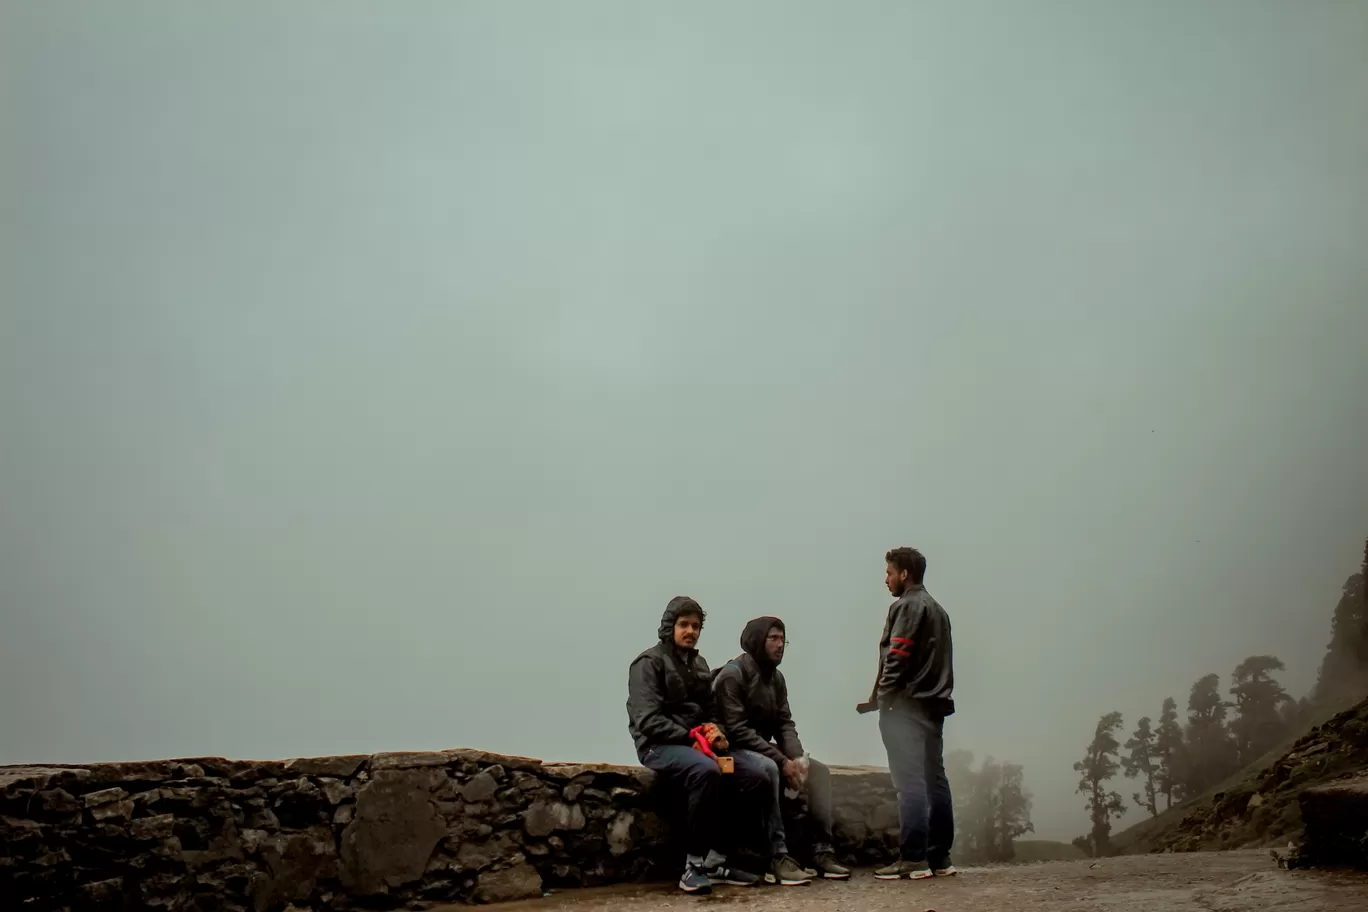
x=687, y=607
x=909, y=559
x=692, y=610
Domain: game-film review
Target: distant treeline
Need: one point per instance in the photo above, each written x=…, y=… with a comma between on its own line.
x=992, y=807
x=1176, y=759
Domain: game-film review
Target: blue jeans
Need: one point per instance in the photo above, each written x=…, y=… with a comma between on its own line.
x=913, y=736
x=815, y=802
x=704, y=789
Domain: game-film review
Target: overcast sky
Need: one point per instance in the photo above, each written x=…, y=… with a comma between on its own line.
x=371, y=375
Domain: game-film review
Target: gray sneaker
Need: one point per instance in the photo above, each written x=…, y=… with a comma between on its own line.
x=695, y=881
x=904, y=870
x=827, y=865
x=787, y=872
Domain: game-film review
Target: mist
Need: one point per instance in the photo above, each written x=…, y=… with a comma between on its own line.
x=372, y=376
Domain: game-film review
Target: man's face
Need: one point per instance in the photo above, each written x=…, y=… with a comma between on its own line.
x=774, y=645
x=895, y=580
x=687, y=629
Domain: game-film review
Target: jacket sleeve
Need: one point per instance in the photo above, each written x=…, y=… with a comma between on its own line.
x=789, y=745
x=646, y=701
x=729, y=695
x=897, y=657
x=707, y=709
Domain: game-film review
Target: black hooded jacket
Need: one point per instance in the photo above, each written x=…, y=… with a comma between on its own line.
x=752, y=699
x=669, y=689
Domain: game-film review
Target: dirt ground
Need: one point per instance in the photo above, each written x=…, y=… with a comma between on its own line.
x=1197, y=882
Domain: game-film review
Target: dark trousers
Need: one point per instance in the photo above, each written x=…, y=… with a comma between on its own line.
x=810, y=812
x=913, y=735
x=706, y=791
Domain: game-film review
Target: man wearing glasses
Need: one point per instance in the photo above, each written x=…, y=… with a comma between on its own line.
x=753, y=708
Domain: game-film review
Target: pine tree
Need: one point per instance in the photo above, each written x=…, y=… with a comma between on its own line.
x=1168, y=747
x=1344, y=670
x=992, y=806
x=1259, y=700
x=1138, y=761
x=1096, y=769
x=1209, y=755
x=1013, y=811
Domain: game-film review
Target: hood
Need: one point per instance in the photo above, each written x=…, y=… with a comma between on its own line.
x=753, y=639
x=672, y=611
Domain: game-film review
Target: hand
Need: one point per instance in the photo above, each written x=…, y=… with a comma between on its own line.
x=794, y=774
x=868, y=706
x=716, y=740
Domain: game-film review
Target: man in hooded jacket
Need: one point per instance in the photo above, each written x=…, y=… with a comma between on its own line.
x=669, y=694
x=753, y=706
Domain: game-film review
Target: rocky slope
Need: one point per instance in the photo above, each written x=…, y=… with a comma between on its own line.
x=1263, y=806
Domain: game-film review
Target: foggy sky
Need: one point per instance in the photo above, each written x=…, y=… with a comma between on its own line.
x=371, y=375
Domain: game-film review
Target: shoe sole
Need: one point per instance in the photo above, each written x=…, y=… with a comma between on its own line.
x=795, y=883
x=836, y=877
x=919, y=875
x=695, y=891
x=736, y=883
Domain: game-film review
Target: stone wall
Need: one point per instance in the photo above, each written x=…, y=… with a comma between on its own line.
x=382, y=831
x=1336, y=819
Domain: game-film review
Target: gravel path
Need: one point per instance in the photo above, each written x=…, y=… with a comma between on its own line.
x=1198, y=882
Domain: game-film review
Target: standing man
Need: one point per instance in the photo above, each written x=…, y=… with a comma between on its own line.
x=913, y=694
x=669, y=694
x=753, y=707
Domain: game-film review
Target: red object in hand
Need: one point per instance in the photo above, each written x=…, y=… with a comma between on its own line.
x=700, y=738
x=701, y=741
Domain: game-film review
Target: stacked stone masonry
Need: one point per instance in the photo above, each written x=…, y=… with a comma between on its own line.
x=1336, y=818
x=381, y=831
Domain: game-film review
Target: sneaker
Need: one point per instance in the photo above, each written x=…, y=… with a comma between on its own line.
x=900, y=870
x=735, y=877
x=947, y=871
x=695, y=881
x=829, y=868
x=787, y=872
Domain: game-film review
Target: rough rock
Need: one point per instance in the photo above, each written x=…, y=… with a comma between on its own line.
x=336, y=790
x=337, y=767
x=295, y=863
x=546, y=817
x=620, y=833
x=16, y=778
x=1336, y=820
x=401, y=760
x=104, y=796
x=476, y=856
x=153, y=828
x=481, y=788
x=518, y=881
x=395, y=828
x=116, y=810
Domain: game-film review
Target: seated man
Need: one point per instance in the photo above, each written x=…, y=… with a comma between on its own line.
x=669, y=693
x=752, y=701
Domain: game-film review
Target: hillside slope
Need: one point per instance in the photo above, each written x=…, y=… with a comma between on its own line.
x=1258, y=805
